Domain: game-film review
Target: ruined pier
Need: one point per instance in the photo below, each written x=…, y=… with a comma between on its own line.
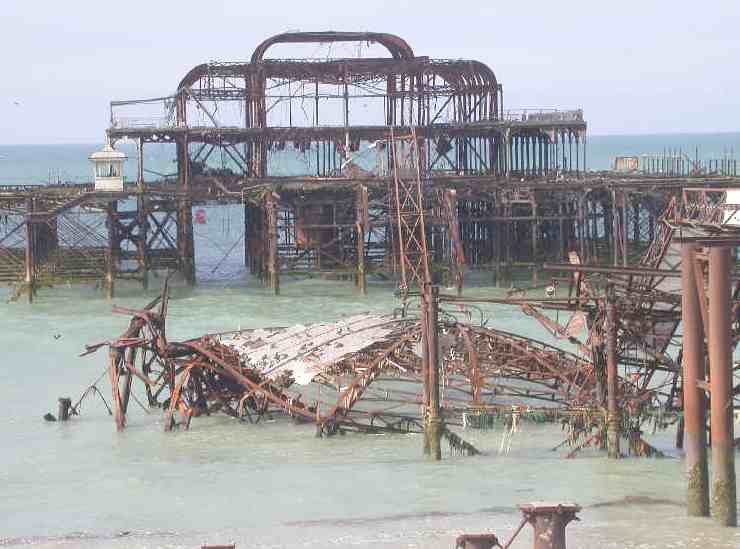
x=303, y=146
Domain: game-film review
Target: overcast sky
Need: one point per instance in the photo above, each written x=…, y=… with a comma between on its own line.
x=647, y=66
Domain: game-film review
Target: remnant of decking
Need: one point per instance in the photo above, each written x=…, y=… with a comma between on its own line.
x=306, y=350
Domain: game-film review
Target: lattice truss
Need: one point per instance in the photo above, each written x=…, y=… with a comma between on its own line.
x=408, y=210
x=13, y=235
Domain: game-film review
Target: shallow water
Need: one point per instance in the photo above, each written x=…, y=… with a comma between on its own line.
x=274, y=485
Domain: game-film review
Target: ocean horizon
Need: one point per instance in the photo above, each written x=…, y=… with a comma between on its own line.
x=25, y=164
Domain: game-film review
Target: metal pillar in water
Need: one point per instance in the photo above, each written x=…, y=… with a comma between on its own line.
x=724, y=496
x=65, y=404
x=612, y=420
x=273, y=267
x=476, y=541
x=433, y=425
x=549, y=522
x=694, y=401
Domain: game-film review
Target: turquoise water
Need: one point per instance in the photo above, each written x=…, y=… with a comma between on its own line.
x=274, y=485
x=81, y=484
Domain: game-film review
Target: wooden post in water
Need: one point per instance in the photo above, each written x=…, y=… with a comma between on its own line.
x=724, y=496
x=694, y=401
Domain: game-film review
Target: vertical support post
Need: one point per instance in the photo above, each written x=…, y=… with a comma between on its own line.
x=548, y=522
x=624, y=229
x=362, y=226
x=535, y=238
x=247, y=237
x=724, y=496
x=612, y=419
x=142, y=220
x=273, y=275
x=30, y=251
x=457, y=254
x=561, y=233
x=615, y=236
x=185, y=244
x=113, y=374
x=111, y=256
x=581, y=227
x=433, y=425
x=65, y=404
x=694, y=402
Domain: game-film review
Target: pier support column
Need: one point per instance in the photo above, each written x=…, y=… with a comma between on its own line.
x=433, y=426
x=247, y=238
x=363, y=216
x=694, y=401
x=625, y=255
x=111, y=256
x=457, y=255
x=612, y=420
x=185, y=244
x=273, y=268
x=535, y=240
x=65, y=404
x=142, y=219
x=142, y=215
x=549, y=522
x=724, y=497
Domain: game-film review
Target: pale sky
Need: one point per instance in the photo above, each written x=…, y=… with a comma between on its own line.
x=634, y=66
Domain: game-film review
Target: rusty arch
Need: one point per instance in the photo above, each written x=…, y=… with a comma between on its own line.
x=396, y=46
x=464, y=78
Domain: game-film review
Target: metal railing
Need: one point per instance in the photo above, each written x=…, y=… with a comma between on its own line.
x=160, y=113
x=543, y=115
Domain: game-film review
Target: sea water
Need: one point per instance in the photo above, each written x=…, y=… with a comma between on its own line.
x=274, y=485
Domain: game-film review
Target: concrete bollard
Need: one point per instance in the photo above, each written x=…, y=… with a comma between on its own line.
x=65, y=405
x=549, y=521
x=476, y=541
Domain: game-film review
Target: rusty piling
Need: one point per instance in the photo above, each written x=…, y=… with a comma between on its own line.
x=694, y=401
x=612, y=375
x=65, y=404
x=433, y=426
x=549, y=522
x=724, y=497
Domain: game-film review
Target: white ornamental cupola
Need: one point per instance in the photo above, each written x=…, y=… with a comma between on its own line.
x=108, y=164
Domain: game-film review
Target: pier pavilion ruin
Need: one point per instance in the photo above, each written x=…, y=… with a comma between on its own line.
x=329, y=210
x=302, y=143
x=309, y=148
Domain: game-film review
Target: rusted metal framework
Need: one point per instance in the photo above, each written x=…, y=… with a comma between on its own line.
x=315, y=130
x=303, y=143
x=365, y=372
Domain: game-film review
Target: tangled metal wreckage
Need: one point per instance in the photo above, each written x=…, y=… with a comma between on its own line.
x=402, y=167
x=369, y=373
